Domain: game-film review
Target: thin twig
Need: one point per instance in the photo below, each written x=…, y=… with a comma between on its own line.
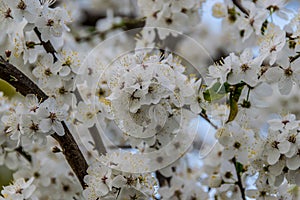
x=125, y=24
x=239, y=182
x=94, y=132
x=293, y=58
x=47, y=45
x=208, y=120
x=238, y=4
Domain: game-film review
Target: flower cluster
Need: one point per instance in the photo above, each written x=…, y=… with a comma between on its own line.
x=33, y=121
x=147, y=95
x=106, y=183
x=174, y=15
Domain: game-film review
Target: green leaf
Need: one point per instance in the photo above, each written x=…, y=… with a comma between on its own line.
x=7, y=89
x=235, y=93
x=216, y=92
x=233, y=110
x=239, y=168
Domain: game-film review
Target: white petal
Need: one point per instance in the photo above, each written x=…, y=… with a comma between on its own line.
x=273, y=157
x=293, y=163
x=45, y=125
x=285, y=85
x=284, y=147
x=58, y=128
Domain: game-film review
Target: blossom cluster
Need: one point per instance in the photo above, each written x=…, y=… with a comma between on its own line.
x=147, y=95
x=106, y=183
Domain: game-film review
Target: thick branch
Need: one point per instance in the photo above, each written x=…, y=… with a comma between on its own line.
x=72, y=153
x=238, y=4
x=20, y=81
x=25, y=86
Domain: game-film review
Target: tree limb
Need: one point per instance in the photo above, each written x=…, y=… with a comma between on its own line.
x=24, y=85
x=125, y=24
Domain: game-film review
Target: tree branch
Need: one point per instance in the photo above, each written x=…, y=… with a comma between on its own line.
x=90, y=18
x=125, y=24
x=204, y=116
x=98, y=143
x=20, y=81
x=26, y=155
x=47, y=45
x=24, y=85
x=72, y=153
x=238, y=4
x=293, y=58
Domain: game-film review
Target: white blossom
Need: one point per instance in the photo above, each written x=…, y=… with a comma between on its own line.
x=51, y=117
x=20, y=189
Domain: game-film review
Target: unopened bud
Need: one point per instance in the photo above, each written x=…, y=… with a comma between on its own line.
x=8, y=53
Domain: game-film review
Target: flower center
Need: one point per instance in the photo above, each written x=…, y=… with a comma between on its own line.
x=62, y=90
x=237, y=145
x=89, y=115
x=22, y=5
x=275, y=144
x=169, y=21
x=19, y=191
x=103, y=179
x=292, y=138
x=228, y=175
x=34, y=127
x=273, y=48
x=244, y=67
x=50, y=22
x=48, y=72
x=7, y=13
x=288, y=71
x=52, y=116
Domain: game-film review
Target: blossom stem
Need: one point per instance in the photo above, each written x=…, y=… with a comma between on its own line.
x=238, y=4
x=248, y=93
x=67, y=142
x=204, y=116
